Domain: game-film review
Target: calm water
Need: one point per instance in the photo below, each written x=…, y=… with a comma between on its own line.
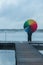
x=7, y=57
x=20, y=36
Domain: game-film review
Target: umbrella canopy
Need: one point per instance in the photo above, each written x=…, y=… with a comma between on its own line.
x=28, y=29
x=32, y=24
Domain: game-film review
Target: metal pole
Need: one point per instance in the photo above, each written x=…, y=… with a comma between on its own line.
x=5, y=36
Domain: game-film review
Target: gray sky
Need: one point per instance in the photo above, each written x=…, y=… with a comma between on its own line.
x=13, y=13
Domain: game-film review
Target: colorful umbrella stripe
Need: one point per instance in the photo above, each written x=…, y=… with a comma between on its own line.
x=32, y=24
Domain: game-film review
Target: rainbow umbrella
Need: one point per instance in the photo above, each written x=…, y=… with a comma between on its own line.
x=30, y=24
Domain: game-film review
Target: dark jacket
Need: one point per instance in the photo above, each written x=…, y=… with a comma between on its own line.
x=29, y=34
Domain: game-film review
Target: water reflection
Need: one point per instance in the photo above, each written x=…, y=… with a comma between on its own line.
x=41, y=51
x=7, y=57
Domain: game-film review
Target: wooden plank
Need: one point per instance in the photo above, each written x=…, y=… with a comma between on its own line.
x=27, y=55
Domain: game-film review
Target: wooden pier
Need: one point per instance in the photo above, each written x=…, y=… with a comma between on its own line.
x=25, y=52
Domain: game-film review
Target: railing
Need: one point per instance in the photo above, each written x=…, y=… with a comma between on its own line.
x=4, y=34
x=12, y=33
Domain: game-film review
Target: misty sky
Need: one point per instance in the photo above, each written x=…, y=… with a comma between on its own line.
x=13, y=13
